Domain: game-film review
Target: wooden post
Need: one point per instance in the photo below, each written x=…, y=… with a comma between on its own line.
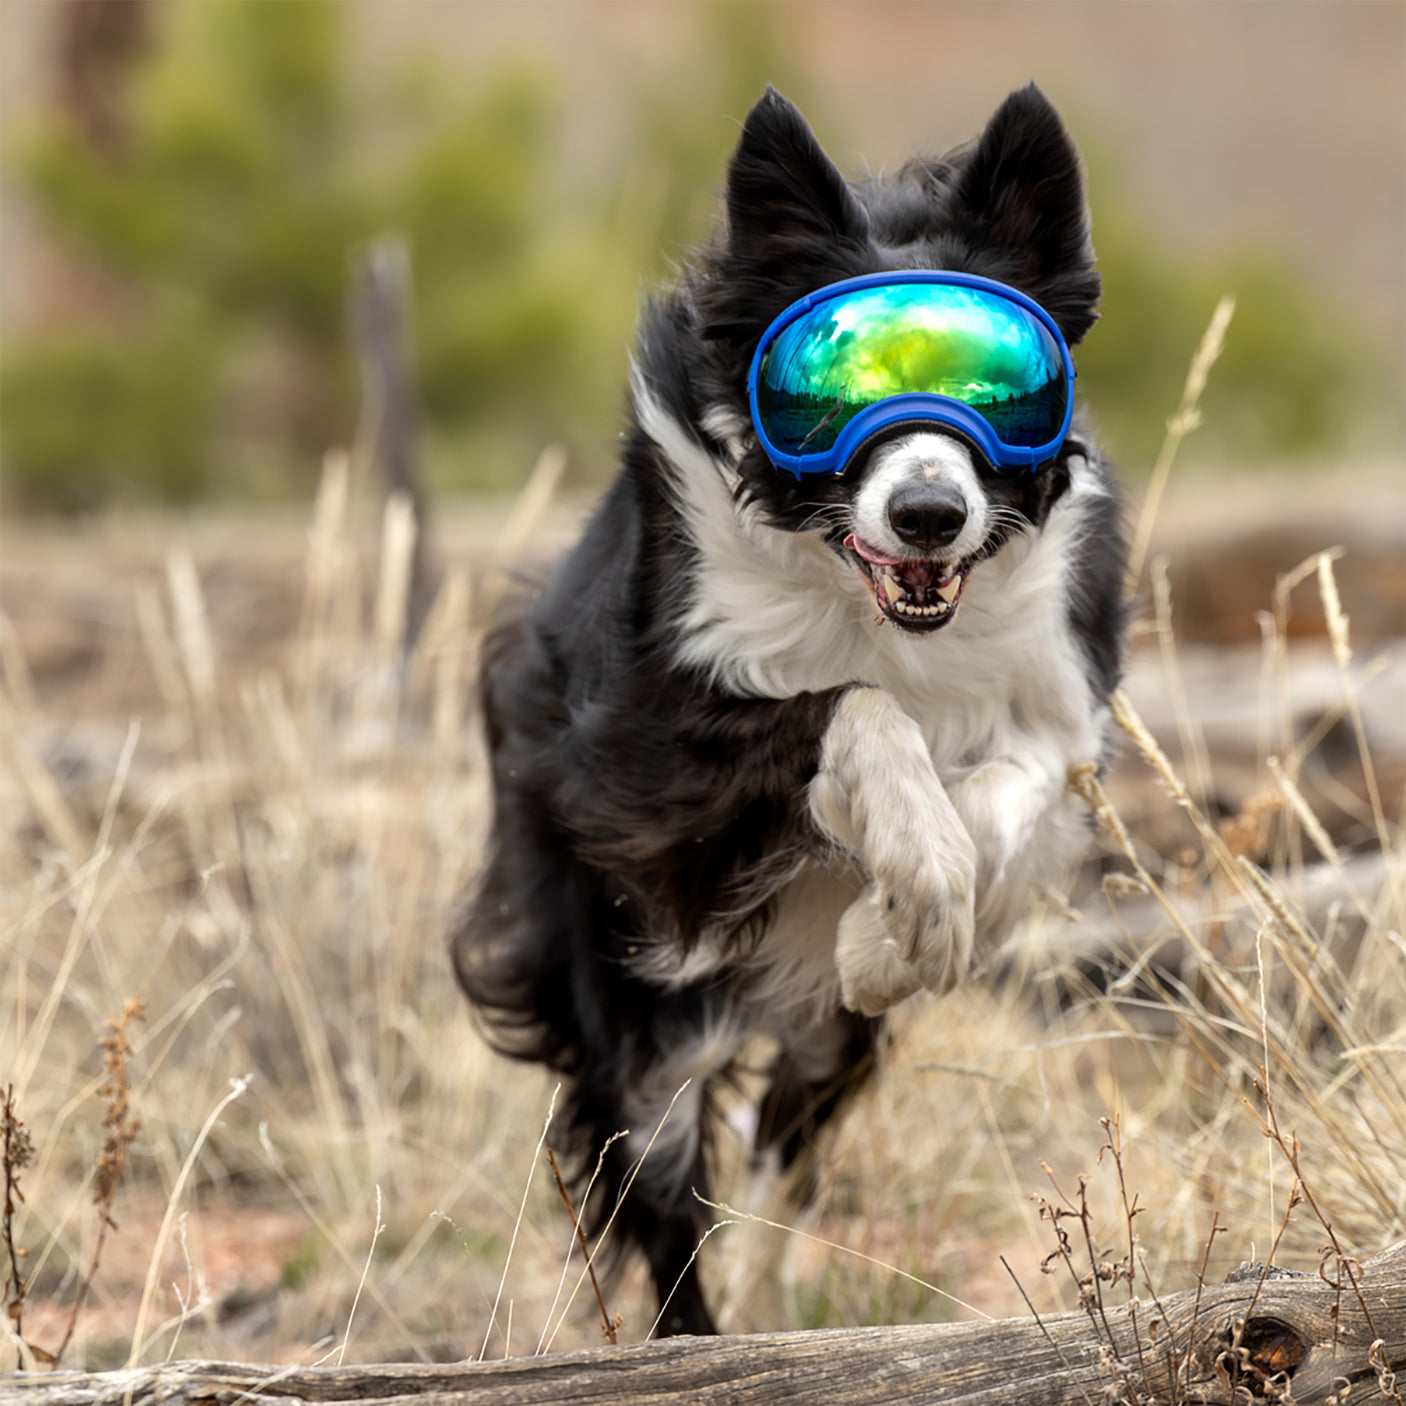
x=381, y=312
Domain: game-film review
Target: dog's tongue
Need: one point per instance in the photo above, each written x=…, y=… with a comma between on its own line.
x=915, y=575
x=872, y=554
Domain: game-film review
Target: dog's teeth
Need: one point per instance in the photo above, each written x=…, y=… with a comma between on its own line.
x=892, y=587
x=903, y=607
x=949, y=591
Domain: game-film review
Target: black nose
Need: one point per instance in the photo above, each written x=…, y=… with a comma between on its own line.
x=927, y=515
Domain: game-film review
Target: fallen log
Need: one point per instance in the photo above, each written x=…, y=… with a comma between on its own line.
x=1260, y=1333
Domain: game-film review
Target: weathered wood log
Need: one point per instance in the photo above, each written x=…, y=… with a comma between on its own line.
x=1237, y=1341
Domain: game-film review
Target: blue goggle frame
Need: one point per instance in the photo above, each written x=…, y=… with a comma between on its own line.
x=911, y=406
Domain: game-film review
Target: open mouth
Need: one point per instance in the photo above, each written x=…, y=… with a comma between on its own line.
x=915, y=593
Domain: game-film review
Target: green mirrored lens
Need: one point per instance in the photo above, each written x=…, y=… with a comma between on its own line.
x=866, y=345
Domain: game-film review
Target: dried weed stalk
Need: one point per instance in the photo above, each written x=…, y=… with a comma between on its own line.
x=609, y=1326
x=17, y=1151
x=1181, y=1362
x=1336, y=1267
x=1122, y=1382
x=1100, y=1271
x=122, y=1128
x=1040, y=1323
x=1181, y=423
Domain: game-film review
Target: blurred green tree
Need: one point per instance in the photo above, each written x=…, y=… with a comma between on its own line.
x=223, y=222
x=250, y=169
x=1295, y=376
x=680, y=163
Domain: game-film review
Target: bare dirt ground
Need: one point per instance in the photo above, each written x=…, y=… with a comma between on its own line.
x=204, y=802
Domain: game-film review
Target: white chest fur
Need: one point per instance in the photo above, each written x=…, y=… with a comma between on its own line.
x=775, y=613
x=1001, y=695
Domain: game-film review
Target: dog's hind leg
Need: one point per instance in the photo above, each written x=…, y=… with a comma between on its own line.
x=817, y=1074
x=656, y=1210
x=656, y=1086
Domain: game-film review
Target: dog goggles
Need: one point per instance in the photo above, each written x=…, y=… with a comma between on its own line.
x=869, y=353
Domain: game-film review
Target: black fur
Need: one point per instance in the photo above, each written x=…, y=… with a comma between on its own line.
x=638, y=803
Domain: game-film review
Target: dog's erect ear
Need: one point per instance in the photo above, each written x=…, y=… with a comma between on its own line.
x=785, y=199
x=793, y=225
x=1021, y=192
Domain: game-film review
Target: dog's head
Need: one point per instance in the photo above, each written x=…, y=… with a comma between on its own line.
x=917, y=506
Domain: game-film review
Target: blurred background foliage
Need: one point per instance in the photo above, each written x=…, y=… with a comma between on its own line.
x=246, y=170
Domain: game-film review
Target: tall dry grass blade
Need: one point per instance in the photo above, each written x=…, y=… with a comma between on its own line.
x=50, y=808
x=398, y=536
x=1126, y=716
x=1313, y=827
x=1291, y=750
x=14, y=669
x=198, y=1299
x=1265, y=683
x=1262, y=971
x=1284, y=586
x=737, y=1216
x=1337, y=625
x=624, y=1192
x=326, y=542
x=379, y=689
x=197, y=645
x=160, y=648
x=1186, y=418
x=199, y=661
x=268, y=703
x=173, y=1201
x=1205, y=1031
x=299, y=998
x=451, y=649
x=534, y=500
x=361, y=1283
x=517, y=1224
x=86, y=915
x=328, y=595
x=1193, y=746
x=328, y=1232
x=120, y=776
x=692, y=1259
x=1318, y=979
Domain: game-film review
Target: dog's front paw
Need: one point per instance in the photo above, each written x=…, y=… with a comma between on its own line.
x=886, y=950
x=879, y=797
x=874, y=973
x=927, y=900
x=997, y=803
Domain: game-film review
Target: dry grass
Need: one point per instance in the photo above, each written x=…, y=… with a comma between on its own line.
x=329, y=1163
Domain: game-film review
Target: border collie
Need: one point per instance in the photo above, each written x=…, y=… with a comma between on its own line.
x=775, y=749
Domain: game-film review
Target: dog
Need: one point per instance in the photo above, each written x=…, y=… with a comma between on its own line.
x=774, y=749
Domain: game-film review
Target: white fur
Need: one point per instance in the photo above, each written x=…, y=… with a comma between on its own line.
x=1000, y=696
x=665, y=1108
x=914, y=457
x=877, y=797
x=796, y=964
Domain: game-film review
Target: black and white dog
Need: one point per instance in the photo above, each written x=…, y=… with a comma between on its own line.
x=773, y=752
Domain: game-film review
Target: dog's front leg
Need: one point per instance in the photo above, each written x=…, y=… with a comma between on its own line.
x=1003, y=805
x=1000, y=802
x=877, y=797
